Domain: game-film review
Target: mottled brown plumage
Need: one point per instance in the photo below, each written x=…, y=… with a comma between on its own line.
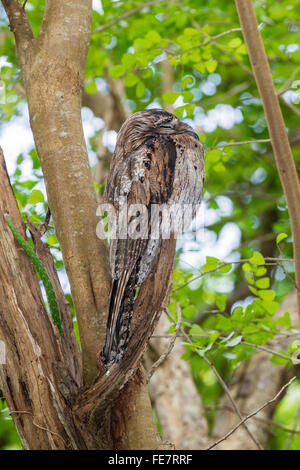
x=158, y=160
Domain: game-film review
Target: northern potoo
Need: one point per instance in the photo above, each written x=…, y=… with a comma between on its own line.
x=158, y=160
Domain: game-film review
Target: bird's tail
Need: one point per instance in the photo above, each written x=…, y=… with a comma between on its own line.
x=119, y=317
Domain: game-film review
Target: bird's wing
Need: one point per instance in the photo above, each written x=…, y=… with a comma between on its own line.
x=144, y=177
x=164, y=169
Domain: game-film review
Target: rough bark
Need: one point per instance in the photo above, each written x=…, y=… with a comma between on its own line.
x=42, y=373
x=93, y=406
x=277, y=130
x=52, y=67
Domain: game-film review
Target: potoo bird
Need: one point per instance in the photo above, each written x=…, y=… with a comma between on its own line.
x=158, y=160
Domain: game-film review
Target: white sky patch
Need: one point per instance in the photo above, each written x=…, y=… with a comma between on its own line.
x=97, y=5
x=228, y=239
x=110, y=139
x=15, y=138
x=292, y=96
x=223, y=115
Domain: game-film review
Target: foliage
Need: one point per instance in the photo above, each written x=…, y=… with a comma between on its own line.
x=246, y=220
x=50, y=293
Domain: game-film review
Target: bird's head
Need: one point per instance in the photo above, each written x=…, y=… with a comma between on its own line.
x=149, y=123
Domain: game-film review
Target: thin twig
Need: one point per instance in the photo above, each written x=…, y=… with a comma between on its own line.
x=224, y=386
x=288, y=84
x=124, y=16
x=210, y=39
x=257, y=418
x=233, y=58
x=245, y=142
x=164, y=356
x=250, y=415
x=246, y=343
x=227, y=391
x=269, y=262
x=38, y=425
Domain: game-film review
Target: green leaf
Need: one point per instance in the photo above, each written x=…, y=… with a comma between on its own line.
x=284, y=320
x=294, y=346
x=247, y=268
x=187, y=96
x=249, y=279
x=279, y=361
x=189, y=312
x=253, y=290
x=131, y=79
x=221, y=301
x=211, y=263
x=179, y=111
x=35, y=197
x=140, y=89
x=234, y=43
x=257, y=258
x=225, y=269
x=189, y=109
x=200, y=67
x=260, y=271
x=170, y=97
x=196, y=330
x=172, y=306
x=223, y=323
x=211, y=66
x=213, y=156
x=213, y=337
x=263, y=283
x=129, y=61
x=20, y=159
x=117, y=71
x=153, y=36
x=281, y=237
x=267, y=295
x=52, y=240
x=234, y=341
x=91, y=87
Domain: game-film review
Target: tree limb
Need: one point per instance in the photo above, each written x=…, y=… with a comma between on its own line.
x=125, y=15
x=20, y=26
x=36, y=379
x=250, y=415
x=282, y=151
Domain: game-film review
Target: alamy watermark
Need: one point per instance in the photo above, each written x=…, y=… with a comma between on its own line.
x=138, y=221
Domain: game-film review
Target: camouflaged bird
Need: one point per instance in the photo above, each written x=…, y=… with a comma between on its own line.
x=158, y=160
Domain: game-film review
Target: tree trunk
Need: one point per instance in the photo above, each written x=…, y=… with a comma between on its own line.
x=52, y=67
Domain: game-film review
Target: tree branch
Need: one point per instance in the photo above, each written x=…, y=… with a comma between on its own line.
x=36, y=377
x=250, y=415
x=164, y=356
x=124, y=16
x=282, y=151
x=20, y=26
x=224, y=386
